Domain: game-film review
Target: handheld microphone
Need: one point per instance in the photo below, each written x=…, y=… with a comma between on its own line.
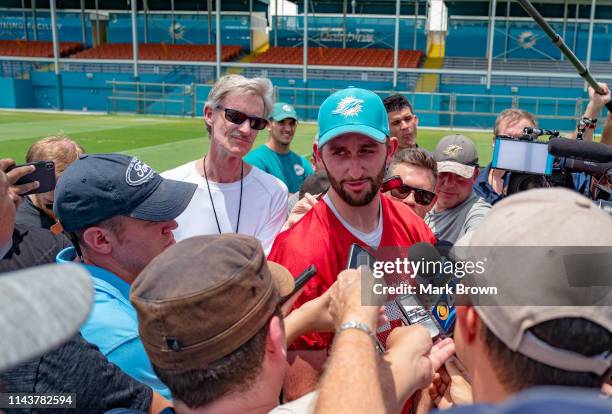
x=583, y=150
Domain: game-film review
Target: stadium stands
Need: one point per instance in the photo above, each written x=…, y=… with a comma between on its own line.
x=36, y=48
x=340, y=57
x=160, y=51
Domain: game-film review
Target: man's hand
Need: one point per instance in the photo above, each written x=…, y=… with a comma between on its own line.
x=14, y=175
x=597, y=101
x=414, y=359
x=347, y=298
x=300, y=209
x=451, y=386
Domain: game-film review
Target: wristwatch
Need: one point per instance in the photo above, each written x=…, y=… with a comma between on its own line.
x=356, y=325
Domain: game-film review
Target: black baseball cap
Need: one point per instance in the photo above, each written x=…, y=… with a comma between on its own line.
x=100, y=186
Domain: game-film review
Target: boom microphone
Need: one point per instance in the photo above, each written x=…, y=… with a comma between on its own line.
x=588, y=167
x=583, y=150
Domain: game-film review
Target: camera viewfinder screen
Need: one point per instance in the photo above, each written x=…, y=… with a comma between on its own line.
x=522, y=156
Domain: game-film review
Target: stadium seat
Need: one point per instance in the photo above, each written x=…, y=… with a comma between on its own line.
x=160, y=51
x=339, y=57
x=36, y=48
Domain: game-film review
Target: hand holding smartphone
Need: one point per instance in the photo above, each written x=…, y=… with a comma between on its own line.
x=44, y=173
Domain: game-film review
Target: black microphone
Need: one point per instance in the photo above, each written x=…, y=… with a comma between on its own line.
x=583, y=150
x=588, y=167
x=300, y=281
x=538, y=131
x=428, y=265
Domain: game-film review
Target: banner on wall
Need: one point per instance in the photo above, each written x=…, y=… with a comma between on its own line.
x=68, y=27
x=361, y=32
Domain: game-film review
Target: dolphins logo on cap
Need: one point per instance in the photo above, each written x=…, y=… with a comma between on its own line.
x=349, y=106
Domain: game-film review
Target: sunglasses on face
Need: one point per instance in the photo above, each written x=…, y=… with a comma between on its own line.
x=238, y=118
x=400, y=190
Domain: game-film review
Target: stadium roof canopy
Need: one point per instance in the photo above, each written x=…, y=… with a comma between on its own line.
x=548, y=8
x=153, y=5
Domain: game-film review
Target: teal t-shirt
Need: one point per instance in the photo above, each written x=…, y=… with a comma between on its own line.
x=290, y=168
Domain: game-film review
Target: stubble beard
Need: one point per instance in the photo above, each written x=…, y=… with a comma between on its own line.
x=364, y=199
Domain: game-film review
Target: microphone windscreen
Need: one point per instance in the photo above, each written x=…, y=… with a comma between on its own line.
x=584, y=150
x=424, y=252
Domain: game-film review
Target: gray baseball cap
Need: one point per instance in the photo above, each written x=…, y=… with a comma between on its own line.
x=567, y=222
x=456, y=154
x=47, y=306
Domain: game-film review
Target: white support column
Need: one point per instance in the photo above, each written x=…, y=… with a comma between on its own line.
x=218, y=37
x=145, y=15
x=344, y=7
x=565, y=10
x=305, y=38
x=135, y=38
x=56, y=56
x=34, y=20
x=590, y=40
x=396, y=43
x=490, y=45
x=416, y=23
x=24, y=16
x=173, y=21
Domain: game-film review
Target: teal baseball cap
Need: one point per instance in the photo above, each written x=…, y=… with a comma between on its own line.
x=282, y=110
x=353, y=110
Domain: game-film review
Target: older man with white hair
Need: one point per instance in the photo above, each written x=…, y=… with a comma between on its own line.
x=233, y=196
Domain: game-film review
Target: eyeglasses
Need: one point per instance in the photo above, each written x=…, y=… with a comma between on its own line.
x=400, y=190
x=237, y=117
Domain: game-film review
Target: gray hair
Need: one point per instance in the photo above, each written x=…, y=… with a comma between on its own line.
x=241, y=85
x=512, y=116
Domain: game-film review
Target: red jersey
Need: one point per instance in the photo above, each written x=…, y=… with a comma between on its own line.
x=319, y=238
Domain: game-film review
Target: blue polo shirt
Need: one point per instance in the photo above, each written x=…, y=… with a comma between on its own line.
x=113, y=325
x=483, y=189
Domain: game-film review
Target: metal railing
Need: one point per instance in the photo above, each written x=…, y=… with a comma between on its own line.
x=187, y=100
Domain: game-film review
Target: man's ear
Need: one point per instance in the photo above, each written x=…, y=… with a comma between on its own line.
x=318, y=152
x=208, y=113
x=96, y=240
x=392, y=144
x=276, y=348
x=416, y=120
x=476, y=174
x=469, y=323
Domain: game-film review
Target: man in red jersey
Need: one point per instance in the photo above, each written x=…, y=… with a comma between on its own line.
x=355, y=146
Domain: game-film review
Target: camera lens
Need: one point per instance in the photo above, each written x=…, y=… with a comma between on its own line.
x=49, y=166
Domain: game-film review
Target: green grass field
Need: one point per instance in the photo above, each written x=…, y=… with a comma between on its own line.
x=162, y=142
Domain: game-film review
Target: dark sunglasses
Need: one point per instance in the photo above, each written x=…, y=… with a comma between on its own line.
x=400, y=190
x=237, y=117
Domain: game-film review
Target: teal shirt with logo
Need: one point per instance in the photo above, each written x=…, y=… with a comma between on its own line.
x=290, y=168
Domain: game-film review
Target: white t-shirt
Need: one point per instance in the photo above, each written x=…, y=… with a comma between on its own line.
x=262, y=214
x=372, y=239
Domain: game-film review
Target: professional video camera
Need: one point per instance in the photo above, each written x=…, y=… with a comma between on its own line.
x=556, y=162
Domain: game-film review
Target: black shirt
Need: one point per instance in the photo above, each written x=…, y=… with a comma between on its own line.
x=29, y=214
x=78, y=367
x=32, y=246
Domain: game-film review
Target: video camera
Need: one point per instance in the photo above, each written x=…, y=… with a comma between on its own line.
x=537, y=163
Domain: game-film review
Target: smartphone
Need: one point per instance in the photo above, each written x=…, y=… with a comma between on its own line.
x=358, y=256
x=44, y=174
